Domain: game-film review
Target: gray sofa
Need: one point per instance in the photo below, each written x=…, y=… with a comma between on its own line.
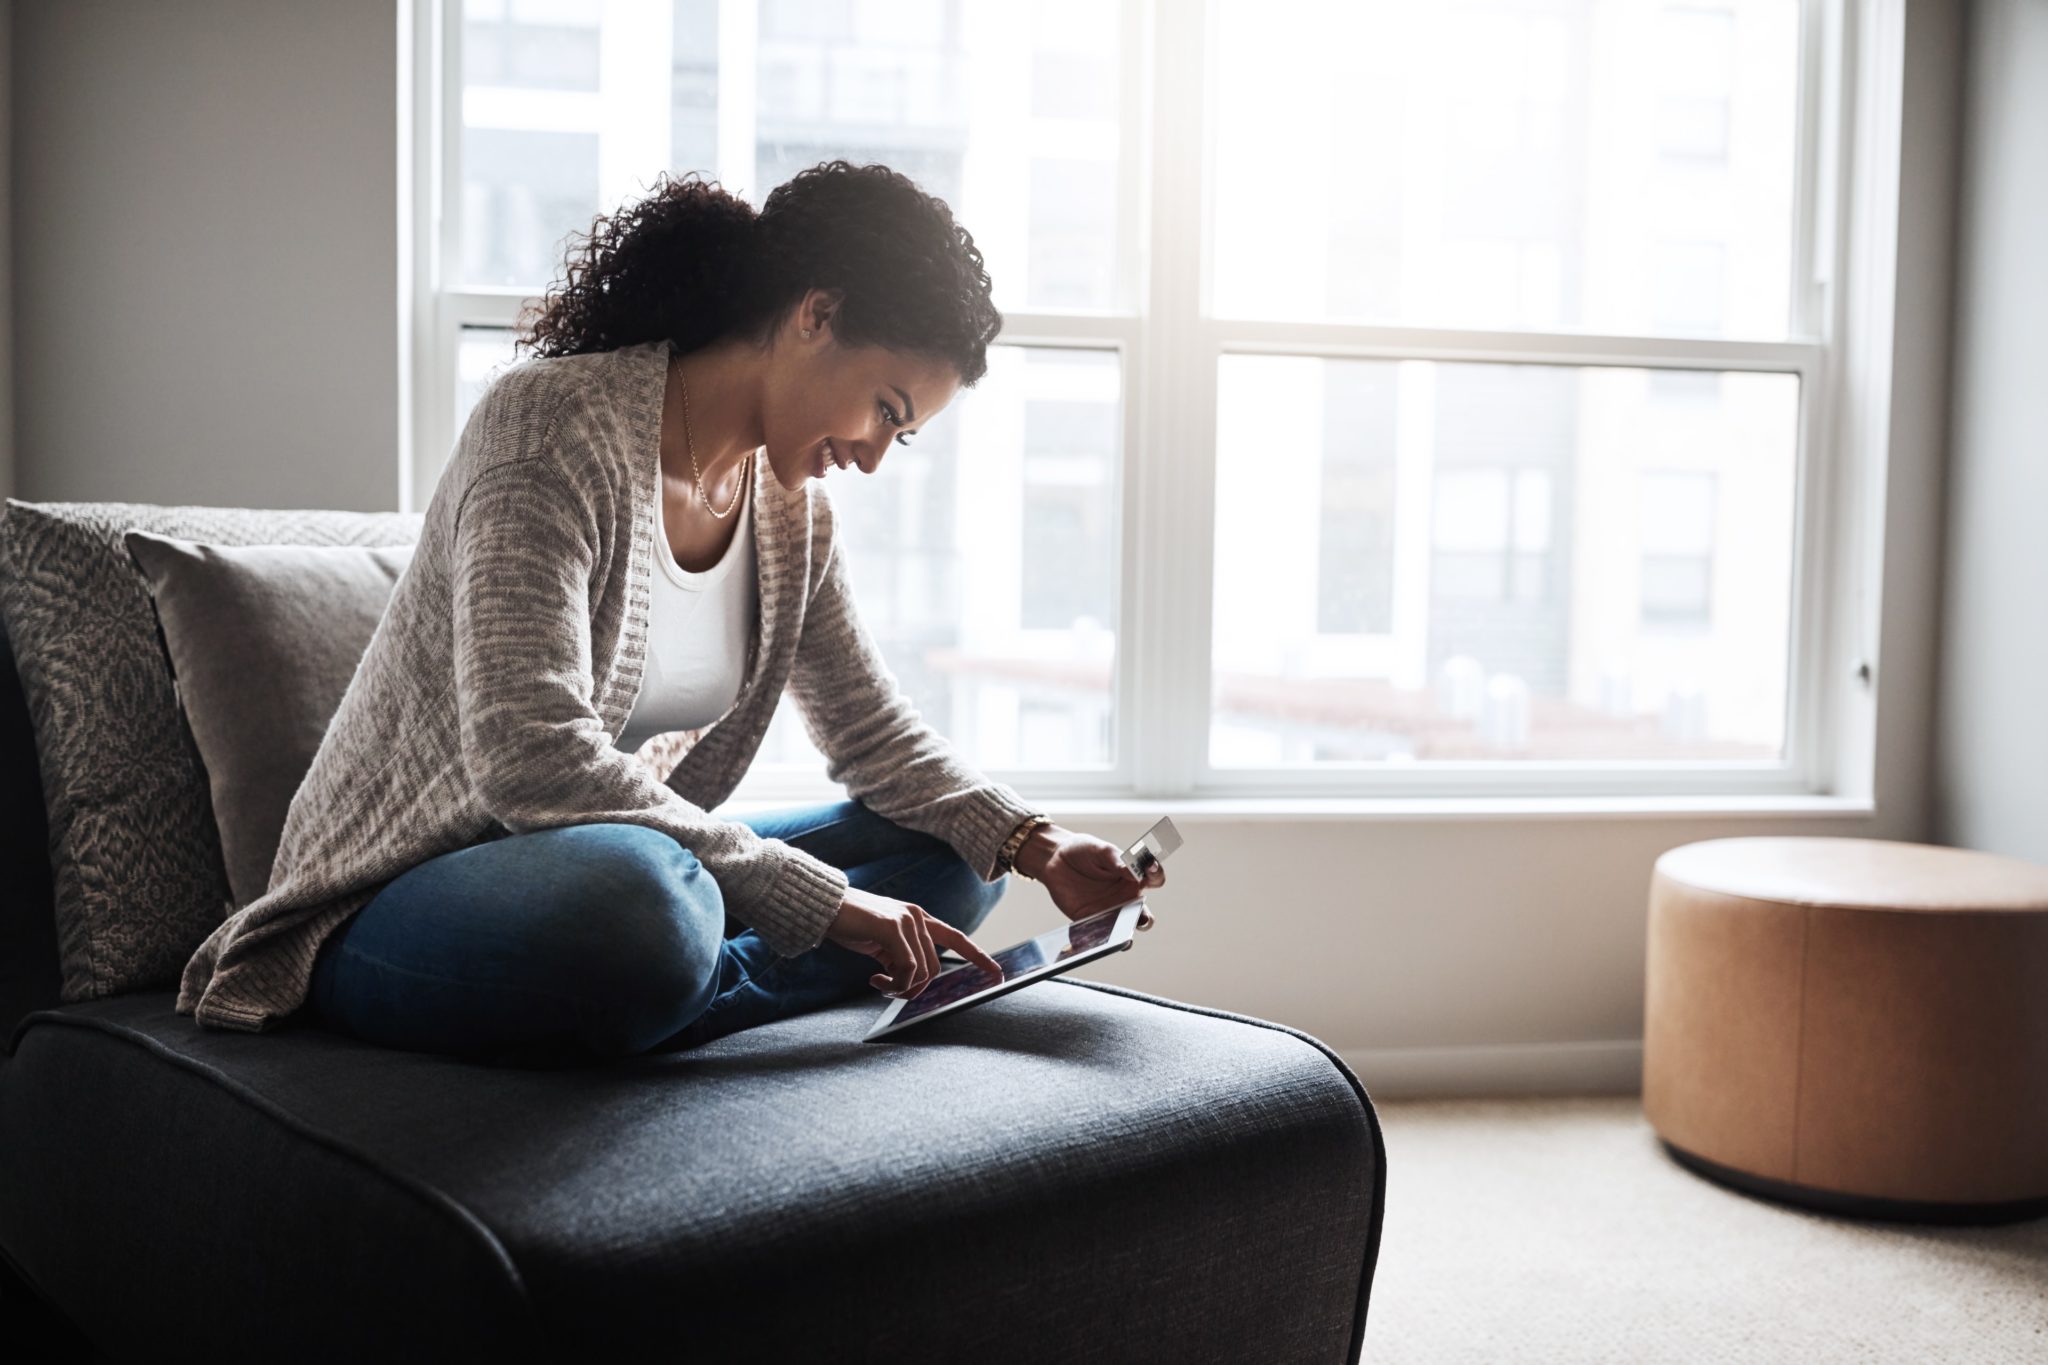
x=1075, y=1171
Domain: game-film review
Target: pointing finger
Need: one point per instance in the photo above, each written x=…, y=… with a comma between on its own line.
x=927, y=954
x=965, y=946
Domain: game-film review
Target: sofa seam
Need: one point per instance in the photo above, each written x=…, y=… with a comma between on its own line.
x=1379, y=1193
x=427, y=1193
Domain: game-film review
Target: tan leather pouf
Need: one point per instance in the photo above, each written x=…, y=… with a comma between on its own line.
x=1852, y=1024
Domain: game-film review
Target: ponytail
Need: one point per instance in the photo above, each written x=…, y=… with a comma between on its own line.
x=677, y=264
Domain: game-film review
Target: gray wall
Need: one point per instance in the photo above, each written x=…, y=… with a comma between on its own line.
x=1991, y=730
x=1909, y=600
x=206, y=252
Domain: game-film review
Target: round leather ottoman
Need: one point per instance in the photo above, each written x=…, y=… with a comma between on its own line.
x=1856, y=1025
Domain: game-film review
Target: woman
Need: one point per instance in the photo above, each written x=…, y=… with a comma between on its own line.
x=627, y=541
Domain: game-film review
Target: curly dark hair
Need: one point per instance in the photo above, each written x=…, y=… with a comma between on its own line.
x=693, y=263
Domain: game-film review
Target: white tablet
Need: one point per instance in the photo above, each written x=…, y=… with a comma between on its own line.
x=1035, y=959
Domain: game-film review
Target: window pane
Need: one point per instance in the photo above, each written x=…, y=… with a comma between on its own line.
x=479, y=357
x=1354, y=590
x=530, y=46
x=1608, y=165
x=1677, y=529
x=1554, y=575
x=1010, y=113
x=984, y=558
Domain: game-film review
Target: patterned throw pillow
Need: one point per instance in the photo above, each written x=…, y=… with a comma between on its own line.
x=134, y=851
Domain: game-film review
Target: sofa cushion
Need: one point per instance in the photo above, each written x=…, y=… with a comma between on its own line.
x=135, y=858
x=1074, y=1171
x=262, y=640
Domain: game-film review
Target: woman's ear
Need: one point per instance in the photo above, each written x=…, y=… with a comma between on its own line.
x=820, y=305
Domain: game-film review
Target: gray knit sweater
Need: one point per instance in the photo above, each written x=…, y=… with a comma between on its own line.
x=510, y=656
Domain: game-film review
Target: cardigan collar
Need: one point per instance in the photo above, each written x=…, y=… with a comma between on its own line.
x=776, y=512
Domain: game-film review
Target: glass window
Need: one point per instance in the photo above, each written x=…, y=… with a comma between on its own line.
x=1550, y=554
x=1422, y=554
x=481, y=355
x=984, y=556
x=531, y=46
x=1355, y=531
x=1508, y=163
x=1677, y=526
x=1009, y=113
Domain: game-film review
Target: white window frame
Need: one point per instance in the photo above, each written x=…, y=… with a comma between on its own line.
x=1845, y=260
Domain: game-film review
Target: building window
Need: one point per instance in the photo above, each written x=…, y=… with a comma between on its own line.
x=1492, y=534
x=1678, y=547
x=1355, y=531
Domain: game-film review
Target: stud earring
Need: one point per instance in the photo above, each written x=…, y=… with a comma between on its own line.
x=807, y=333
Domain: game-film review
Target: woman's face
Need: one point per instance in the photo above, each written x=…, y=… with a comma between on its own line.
x=828, y=407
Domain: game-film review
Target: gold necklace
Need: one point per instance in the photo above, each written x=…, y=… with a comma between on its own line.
x=690, y=444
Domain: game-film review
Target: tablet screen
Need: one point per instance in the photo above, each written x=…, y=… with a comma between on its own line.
x=1048, y=949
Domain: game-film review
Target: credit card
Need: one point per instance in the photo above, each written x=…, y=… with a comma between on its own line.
x=1152, y=847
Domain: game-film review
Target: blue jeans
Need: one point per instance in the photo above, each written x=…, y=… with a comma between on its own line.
x=610, y=940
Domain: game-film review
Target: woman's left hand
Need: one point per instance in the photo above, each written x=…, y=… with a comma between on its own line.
x=1084, y=874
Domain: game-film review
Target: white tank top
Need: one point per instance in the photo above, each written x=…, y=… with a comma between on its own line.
x=698, y=629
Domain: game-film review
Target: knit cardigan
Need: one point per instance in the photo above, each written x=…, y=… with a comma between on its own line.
x=488, y=699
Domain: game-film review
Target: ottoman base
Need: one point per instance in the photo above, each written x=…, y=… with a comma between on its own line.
x=1857, y=1205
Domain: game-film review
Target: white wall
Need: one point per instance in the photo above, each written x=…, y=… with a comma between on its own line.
x=1440, y=954
x=1991, y=734
x=206, y=244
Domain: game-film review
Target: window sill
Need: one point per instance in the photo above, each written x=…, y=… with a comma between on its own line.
x=1316, y=808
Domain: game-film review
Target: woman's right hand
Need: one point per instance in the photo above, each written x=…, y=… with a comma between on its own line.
x=903, y=937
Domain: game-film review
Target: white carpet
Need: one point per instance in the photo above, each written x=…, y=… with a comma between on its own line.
x=1559, y=1230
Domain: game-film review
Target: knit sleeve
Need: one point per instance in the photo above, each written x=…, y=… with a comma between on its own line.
x=530, y=739
x=873, y=738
